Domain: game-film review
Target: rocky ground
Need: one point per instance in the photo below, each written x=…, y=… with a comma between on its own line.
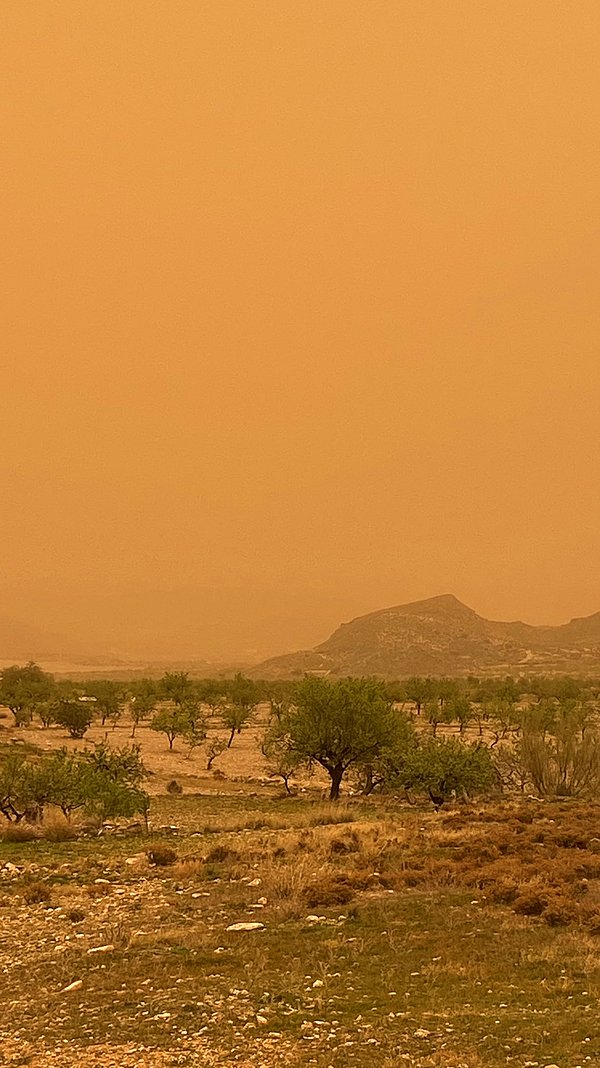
x=370, y=934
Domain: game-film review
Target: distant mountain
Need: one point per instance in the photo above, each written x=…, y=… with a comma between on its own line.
x=442, y=636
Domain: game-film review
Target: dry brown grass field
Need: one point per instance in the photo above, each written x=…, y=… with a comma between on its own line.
x=390, y=934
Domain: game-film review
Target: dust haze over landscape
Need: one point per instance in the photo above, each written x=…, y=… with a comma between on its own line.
x=299, y=522
x=300, y=320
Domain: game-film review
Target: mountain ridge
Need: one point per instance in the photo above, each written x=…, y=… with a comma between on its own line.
x=442, y=636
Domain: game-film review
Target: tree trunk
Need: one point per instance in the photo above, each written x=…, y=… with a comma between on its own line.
x=231, y=737
x=336, y=779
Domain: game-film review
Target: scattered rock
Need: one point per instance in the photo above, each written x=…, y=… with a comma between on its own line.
x=246, y=927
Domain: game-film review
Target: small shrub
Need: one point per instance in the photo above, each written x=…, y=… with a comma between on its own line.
x=18, y=832
x=480, y=852
x=532, y=901
x=222, y=853
x=503, y=892
x=22, y=717
x=343, y=845
x=189, y=868
x=174, y=788
x=36, y=893
x=98, y=889
x=162, y=856
x=559, y=912
x=591, y=918
x=56, y=828
x=570, y=839
x=305, y=841
x=333, y=890
x=76, y=915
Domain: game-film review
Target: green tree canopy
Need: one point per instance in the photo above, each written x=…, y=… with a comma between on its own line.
x=176, y=686
x=244, y=694
x=444, y=767
x=340, y=724
x=103, y=782
x=172, y=722
x=74, y=715
x=22, y=689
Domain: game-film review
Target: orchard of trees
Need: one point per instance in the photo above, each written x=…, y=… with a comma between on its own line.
x=438, y=738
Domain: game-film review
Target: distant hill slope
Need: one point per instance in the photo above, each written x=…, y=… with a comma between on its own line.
x=442, y=636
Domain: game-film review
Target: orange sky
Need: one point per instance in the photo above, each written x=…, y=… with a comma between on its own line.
x=303, y=295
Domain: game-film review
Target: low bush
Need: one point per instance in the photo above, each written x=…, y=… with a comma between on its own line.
x=344, y=844
x=221, y=854
x=331, y=890
x=57, y=828
x=18, y=832
x=559, y=912
x=37, y=892
x=532, y=900
x=162, y=856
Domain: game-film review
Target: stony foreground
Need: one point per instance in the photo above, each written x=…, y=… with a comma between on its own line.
x=263, y=932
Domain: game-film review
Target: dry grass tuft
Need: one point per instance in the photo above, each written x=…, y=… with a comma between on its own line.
x=56, y=828
x=222, y=854
x=342, y=844
x=18, y=832
x=334, y=889
x=331, y=813
x=36, y=892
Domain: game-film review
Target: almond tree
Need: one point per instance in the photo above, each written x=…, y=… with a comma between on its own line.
x=340, y=724
x=243, y=697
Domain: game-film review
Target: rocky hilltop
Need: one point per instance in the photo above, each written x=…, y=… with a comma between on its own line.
x=442, y=636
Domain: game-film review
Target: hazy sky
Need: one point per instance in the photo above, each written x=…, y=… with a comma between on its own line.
x=303, y=295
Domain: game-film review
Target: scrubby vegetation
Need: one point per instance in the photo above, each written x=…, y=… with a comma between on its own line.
x=101, y=782
x=445, y=911
x=374, y=929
